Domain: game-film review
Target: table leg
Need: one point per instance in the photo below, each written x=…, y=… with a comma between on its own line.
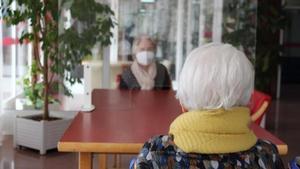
x=102, y=161
x=117, y=161
x=85, y=160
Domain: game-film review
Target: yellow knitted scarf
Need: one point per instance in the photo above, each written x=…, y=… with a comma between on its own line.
x=213, y=131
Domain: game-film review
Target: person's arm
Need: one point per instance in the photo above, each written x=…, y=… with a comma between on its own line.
x=167, y=83
x=122, y=84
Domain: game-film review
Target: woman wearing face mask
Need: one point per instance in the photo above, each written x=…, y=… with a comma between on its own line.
x=145, y=73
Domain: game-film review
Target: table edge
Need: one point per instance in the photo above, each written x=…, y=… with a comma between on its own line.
x=119, y=148
x=282, y=149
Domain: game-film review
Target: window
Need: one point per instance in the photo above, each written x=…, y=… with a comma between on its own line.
x=181, y=25
x=14, y=59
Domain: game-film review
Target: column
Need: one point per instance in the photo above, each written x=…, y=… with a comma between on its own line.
x=201, y=39
x=217, y=21
x=179, y=37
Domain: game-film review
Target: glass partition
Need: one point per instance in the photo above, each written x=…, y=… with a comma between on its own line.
x=181, y=25
x=14, y=59
x=177, y=25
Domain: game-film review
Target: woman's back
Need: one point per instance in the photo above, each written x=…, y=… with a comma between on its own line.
x=214, y=89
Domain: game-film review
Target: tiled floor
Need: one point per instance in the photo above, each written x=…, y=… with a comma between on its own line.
x=30, y=159
x=283, y=121
x=24, y=158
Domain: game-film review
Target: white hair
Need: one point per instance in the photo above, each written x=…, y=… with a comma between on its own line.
x=215, y=76
x=138, y=40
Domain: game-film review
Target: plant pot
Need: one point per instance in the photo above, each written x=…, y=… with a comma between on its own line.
x=40, y=135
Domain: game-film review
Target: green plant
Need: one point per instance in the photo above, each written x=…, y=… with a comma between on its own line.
x=255, y=26
x=33, y=93
x=58, y=49
x=239, y=25
x=270, y=19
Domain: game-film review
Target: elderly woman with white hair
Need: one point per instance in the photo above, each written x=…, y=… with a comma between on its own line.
x=214, y=89
x=145, y=73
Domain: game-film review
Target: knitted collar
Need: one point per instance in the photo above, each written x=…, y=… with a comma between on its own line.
x=213, y=131
x=144, y=78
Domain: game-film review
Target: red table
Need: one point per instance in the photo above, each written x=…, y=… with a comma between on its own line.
x=123, y=120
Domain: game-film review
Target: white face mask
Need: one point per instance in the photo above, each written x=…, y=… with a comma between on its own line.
x=145, y=57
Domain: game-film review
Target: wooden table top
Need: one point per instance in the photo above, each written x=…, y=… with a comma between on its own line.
x=124, y=119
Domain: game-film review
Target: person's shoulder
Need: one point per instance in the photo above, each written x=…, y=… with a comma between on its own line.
x=267, y=154
x=161, y=66
x=159, y=143
x=266, y=146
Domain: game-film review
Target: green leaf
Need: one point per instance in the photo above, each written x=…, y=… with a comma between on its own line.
x=63, y=50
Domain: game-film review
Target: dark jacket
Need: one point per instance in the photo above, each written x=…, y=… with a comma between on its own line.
x=162, y=79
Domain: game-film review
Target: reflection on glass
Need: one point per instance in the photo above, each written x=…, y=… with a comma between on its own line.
x=155, y=18
x=159, y=18
x=240, y=25
x=15, y=59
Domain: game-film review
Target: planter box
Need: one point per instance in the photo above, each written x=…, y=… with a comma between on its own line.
x=11, y=109
x=39, y=135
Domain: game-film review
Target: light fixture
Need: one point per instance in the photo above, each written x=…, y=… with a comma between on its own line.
x=147, y=1
x=142, y=10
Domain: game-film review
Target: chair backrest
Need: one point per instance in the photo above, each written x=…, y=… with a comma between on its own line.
x=258, y=105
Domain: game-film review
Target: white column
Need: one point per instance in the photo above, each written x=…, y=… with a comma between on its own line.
x=179, y=37
x=1, y=56
x=21, y=56
x=87, y=74
x=13, y=56
x=106, y=68
x=201, y=24
x=190, y=24
x=1, y=80
x=29, y=49
x=217, y=21
x=115, y=30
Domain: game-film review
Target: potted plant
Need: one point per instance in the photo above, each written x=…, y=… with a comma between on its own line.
x=58, y=47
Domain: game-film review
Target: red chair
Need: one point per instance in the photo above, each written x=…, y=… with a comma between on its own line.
x=258, y=105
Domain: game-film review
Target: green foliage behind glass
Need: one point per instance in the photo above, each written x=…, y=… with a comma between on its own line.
x=239, y=26
x=270, y=19
x=254, y=26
